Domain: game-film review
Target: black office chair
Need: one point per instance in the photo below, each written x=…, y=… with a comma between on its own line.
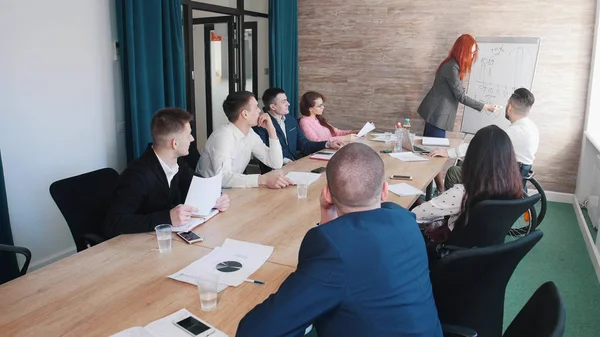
x=84, y=200
x=542, y=316
x=469, y=285
x=489, y=222
x=16, y=250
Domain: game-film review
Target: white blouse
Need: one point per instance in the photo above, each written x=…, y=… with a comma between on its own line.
x=447, y=203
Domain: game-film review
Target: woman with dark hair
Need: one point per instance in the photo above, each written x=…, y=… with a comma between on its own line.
x=315, y=127
x=440, y=105
x=489, y=171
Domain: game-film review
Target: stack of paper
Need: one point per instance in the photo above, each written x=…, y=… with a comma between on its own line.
x=195, y=222
x=322, y=155
x=164, y=327
x=432, y=141
x=244, y=258
x=366, y=129
x=305, y=177
x=404, y=189
x=408, y=156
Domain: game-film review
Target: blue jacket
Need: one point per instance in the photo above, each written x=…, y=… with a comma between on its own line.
x=363, y=274
x=295, y=141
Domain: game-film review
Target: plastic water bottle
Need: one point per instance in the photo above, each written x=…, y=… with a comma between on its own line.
x=407, y=124
x=398, y=138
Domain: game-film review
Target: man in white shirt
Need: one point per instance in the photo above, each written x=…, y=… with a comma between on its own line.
x=522, y=131
x=230, y=147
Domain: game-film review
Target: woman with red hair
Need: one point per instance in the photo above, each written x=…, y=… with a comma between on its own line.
x=439, y=106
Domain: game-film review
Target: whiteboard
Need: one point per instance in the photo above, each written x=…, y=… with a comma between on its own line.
x=503, y=65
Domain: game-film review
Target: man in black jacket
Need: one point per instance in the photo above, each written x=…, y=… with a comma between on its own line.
x=152, y=189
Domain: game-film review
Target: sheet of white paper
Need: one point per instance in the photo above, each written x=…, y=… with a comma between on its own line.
x=164, y=327
x=306, y=177
x=408, y=156
x=432, y=141
x=378, y=139
x=134, y=332
x=203, y=193
x=195, y=222
x=404, y=189
x=250, y=255
x=366, y=129
x=322, y=155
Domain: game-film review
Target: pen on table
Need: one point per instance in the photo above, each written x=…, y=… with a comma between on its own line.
x=254, y=281
x=400, y=177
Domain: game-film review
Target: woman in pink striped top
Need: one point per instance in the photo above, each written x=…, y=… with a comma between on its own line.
x=314, y=126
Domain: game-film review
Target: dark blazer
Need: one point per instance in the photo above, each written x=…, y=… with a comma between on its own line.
x=143, y=198
x=439, y=106
x=295, y=141
x=363, y=274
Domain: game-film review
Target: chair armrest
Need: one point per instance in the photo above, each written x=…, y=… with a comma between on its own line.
x=93, y=239
x=19, y=250
x=457, y=331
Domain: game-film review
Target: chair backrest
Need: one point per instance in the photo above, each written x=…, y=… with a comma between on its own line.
x=10, y=272
x=84, y=200
x=469, y=285
x=489, y=222
x=542, y=316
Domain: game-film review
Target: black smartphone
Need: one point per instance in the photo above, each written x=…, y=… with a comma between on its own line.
x=190, y=237
x=319, y=170
x=194, y=327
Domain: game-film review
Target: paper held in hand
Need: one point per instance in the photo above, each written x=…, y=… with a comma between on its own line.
x=203, y=193
x=366, y=129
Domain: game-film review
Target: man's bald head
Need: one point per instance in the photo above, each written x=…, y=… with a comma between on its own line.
x=355, y=176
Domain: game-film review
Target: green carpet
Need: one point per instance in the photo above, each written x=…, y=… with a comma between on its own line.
x=561, y=256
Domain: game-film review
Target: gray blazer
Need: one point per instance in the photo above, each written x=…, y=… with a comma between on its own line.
x=439, y=106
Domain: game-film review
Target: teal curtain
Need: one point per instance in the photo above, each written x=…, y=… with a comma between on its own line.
x=283, y=49
x=9, y=269
x=152, y=64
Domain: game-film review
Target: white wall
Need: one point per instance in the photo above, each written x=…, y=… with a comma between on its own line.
x=61, y=101
x=592, y=117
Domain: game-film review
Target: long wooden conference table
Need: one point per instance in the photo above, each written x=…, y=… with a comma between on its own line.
x=122, y=283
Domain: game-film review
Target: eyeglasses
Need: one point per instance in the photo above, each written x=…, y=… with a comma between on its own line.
x=320, y=106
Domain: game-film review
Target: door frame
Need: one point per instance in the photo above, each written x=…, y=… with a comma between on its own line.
x=188, y=6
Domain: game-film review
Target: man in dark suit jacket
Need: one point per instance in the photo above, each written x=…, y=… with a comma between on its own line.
x=362, y=272
x=293, y=141
x=152, y=189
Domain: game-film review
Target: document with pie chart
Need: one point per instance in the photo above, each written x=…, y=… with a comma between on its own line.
x=234, y=262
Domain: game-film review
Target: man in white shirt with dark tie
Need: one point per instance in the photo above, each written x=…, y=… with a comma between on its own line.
x=522, y=131
x=230, y=147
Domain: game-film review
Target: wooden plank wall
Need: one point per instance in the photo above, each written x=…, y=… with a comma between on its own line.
x=375, y=60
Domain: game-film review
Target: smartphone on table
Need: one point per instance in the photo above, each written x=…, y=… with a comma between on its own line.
x=190, y=237
x=319, y=170
x=195, y=327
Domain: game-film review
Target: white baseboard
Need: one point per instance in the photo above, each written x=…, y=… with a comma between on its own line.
x=565, y=198
x=587, y=238
x=52, y=258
